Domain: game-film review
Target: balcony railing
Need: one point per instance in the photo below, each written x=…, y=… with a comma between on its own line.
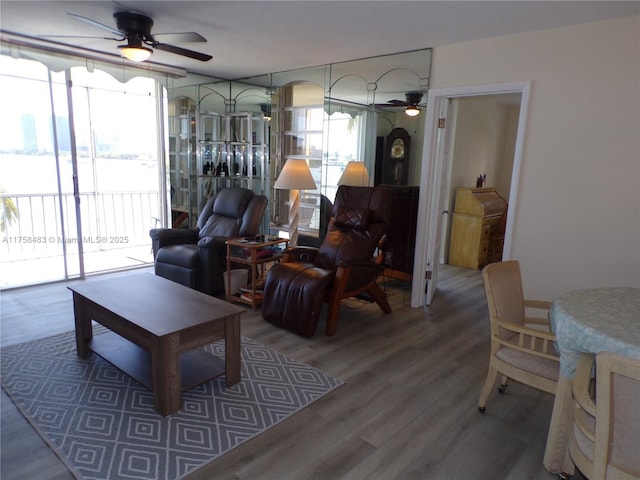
x=45, y=228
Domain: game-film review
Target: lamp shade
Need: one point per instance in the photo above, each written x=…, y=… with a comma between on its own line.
x=295, y=176
x=355, y=174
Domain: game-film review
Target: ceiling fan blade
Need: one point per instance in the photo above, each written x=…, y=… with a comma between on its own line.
x=183, y=37
x=97, y=24
x=120, y=38
x=392, y=104
x=203, y=57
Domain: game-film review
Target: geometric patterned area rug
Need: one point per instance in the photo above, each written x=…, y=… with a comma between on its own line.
x=102, y=424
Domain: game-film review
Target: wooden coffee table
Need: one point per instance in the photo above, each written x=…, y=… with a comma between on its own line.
x=156, y=328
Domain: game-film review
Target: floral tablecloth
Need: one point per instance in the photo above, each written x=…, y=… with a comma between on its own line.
x=596, y=320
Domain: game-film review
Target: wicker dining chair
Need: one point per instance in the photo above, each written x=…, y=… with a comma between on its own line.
x=605, y=435
x=522, y=348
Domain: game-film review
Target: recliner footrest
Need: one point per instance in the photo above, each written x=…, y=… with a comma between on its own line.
x=293, y=296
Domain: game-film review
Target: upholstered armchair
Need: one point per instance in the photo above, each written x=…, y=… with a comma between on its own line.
x=197, y=257
x=340, y=268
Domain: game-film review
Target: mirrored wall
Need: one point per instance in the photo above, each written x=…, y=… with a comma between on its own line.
x=329, y=114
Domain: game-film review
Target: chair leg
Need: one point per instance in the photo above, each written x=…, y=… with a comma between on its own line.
x=332, y=316
x=492, y=374
x=381, y=299
x=335, y=299
x=503, y=384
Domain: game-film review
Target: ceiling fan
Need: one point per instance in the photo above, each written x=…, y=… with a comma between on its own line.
x=412, y=103
x=135, y=28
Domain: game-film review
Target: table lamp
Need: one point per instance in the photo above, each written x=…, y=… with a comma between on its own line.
x=295, y=176
x=355, y=174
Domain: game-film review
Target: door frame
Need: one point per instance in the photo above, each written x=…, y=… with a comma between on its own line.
x=433, y=163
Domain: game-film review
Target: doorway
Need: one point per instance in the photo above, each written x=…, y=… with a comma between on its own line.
x=435, y=180
x=481, y=147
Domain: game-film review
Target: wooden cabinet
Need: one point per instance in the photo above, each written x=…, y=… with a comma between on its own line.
x=477, y=227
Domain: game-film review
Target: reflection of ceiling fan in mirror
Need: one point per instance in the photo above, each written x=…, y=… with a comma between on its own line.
x=412, y=103
x=135, y=28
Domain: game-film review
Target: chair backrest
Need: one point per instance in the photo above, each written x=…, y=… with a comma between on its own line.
x=617, y=445
x=503, y=288
x=233, y=212
x=359, y=219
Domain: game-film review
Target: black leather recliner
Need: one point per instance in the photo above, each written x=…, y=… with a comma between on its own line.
x=196, y=257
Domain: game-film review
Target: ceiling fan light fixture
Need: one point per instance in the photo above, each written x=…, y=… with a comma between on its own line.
x=135, y=51
x=412, y=110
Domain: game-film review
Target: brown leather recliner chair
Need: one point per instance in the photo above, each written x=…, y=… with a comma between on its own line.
x=340, y=268
x=197, y=257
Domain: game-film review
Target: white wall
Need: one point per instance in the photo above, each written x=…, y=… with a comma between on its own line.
x=480, y=143
x=578, y=218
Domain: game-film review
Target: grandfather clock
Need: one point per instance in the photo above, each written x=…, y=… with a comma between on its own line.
x=395, y=168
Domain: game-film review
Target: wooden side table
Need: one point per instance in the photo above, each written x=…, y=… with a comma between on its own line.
x=246, y=252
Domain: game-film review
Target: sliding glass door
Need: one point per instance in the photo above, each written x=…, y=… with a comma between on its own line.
x=80, y=158
x=35, y=168
x=116, y=136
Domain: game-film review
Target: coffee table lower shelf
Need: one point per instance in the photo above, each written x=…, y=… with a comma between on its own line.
x=197, y=366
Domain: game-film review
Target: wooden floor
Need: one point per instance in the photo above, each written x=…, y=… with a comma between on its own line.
x=408, y=409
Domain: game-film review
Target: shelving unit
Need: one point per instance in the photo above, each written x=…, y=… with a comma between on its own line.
x=232, y=151
x=182, y=162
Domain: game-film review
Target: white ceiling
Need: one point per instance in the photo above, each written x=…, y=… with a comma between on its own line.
x=248, y=38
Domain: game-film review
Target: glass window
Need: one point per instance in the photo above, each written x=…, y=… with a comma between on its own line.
x=343, y=146
x=326, y=142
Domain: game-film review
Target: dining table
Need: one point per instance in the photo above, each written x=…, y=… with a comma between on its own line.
x=587, y=321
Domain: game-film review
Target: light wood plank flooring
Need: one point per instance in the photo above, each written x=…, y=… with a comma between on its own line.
x=408, y=409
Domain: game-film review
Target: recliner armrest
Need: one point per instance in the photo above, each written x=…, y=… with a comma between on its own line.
x=213, y=242
x=212, y=252
x=161, y=237
x=359, y=273
x=360, y=264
